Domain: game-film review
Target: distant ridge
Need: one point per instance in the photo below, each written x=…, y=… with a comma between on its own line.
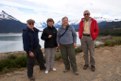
x=4, y=15
x=9, y=24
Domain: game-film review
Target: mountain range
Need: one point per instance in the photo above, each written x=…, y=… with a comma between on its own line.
x=9, y=24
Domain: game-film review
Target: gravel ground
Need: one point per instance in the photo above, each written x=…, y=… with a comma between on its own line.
x=108, y=68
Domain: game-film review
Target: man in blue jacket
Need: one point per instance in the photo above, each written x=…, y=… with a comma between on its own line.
x=32, y=48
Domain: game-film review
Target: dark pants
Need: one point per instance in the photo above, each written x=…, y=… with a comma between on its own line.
x=68, y=56
x=31, y=62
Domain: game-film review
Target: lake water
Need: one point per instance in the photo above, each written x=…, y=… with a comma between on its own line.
x=13, y=42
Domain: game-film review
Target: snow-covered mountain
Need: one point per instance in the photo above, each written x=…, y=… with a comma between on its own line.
x=102, y=19
x=4, y=15
x=75, y=22
x=104, y=24
x=9, y=24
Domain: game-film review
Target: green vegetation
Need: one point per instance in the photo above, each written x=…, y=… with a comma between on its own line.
x=58, y=55
x=113, y=32
x=12, y=62
x=78, y=49
x=112, y=42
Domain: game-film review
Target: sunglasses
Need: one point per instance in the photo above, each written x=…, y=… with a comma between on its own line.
x=86, y=14
x=31, y=23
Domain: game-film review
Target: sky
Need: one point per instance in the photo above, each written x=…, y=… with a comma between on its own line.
x=40, y=10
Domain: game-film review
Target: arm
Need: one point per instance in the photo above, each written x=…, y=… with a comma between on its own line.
x=80, y=29
x=58, y=36
x=44, y=35
x=96, y=30
x=26, y=42
x=74, y=35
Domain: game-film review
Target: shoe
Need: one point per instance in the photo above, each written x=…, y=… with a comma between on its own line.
x=54, y=69
x=32, y=79
x=85, y=67
x=76, y=73
x=92, y=68
x=46, y=72
x=66, y=70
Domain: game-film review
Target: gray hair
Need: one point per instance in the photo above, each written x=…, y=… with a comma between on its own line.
x=86, y=11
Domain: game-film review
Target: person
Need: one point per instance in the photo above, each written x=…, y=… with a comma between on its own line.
x=32, y=48
x=88, y=32
x=66, y=38
x=49, y=36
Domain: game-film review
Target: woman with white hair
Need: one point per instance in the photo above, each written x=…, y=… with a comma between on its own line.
x=66, y=39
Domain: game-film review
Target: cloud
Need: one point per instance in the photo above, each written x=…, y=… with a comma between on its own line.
x=40, y=10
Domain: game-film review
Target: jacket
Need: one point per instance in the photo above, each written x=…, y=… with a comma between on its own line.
x=49, y=42
x=94, y=30
x=69, y=37
x=30, y=39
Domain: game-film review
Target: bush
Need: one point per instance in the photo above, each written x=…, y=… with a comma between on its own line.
x=12, y=62
x=58, y=56
x=12, y=56
x=78, y=49
x=114, y=41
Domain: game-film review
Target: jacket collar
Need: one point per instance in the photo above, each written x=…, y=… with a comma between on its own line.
x=66, y=26
x=35, y=29
x=50, y=27
x=83, y=19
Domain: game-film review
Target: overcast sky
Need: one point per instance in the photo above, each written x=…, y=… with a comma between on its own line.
x=40, y=10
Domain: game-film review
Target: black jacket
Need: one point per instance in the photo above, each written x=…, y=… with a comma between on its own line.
x=49, y=42
x=30, y=39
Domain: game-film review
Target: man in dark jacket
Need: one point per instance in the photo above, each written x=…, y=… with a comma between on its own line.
x=32, y=48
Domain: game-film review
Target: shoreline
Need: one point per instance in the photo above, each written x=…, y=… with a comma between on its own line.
x=3, y=55
x=97, y=43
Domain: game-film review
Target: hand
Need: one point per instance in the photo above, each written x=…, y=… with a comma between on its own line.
x=31, y=54
x=49, y=36
x=57, y=49
x=58, y=45
x=74, y=45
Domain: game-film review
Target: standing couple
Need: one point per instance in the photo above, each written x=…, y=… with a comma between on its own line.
x=65, y=38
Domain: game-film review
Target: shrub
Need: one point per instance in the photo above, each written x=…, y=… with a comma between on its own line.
x=78, y=49
x=114, y=41
x=12, y=62
x=58, y=56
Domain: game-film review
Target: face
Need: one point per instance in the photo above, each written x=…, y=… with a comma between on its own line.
x=30, y=25
x=65, y=22
x=50, y=24
x=86, y=16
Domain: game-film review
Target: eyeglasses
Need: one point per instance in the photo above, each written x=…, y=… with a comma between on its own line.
x=31, y=23
x=86, y=14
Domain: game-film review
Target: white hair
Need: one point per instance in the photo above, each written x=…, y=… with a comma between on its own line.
x=86, y=11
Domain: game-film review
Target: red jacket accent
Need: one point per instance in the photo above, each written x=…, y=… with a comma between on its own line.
x=94, y=30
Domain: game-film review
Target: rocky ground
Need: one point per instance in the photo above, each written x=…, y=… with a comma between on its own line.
x=108, y=68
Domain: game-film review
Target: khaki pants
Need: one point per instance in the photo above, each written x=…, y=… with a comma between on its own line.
x=88, y=45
